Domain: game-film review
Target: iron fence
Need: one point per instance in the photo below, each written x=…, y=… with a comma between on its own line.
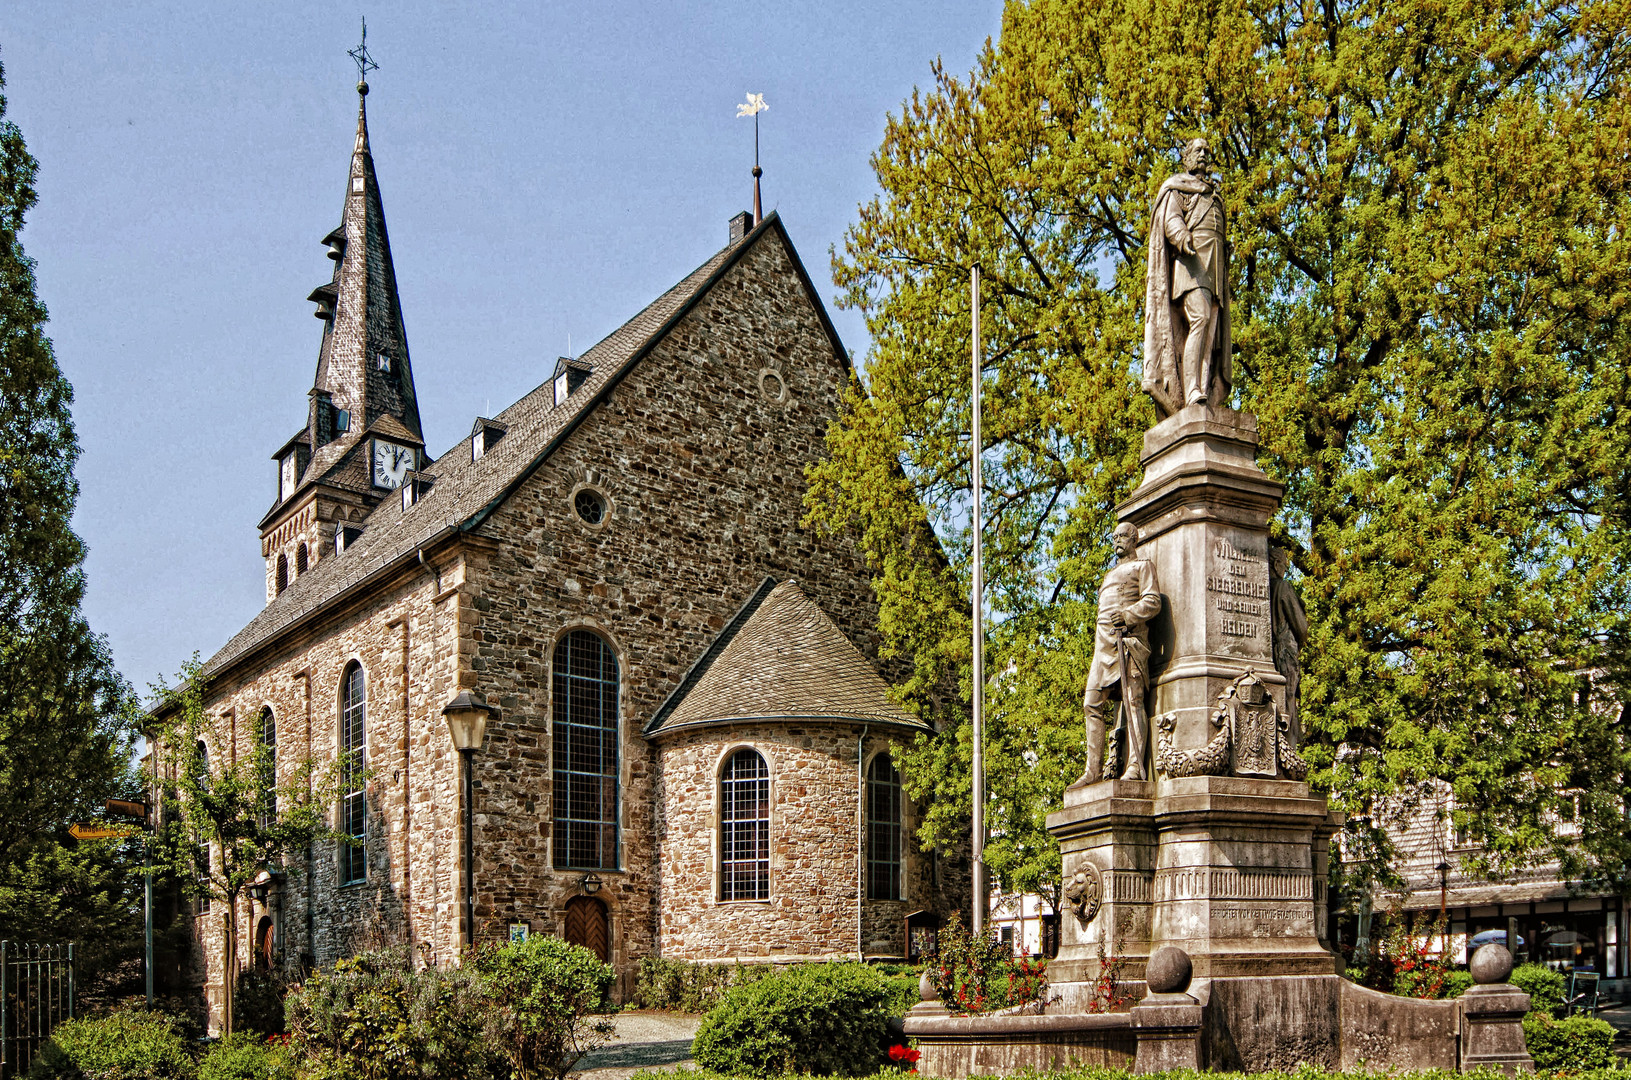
x=36, y=994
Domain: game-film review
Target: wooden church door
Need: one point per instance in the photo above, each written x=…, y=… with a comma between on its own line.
x=587, y=925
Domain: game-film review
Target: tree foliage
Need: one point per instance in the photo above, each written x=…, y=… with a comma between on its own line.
x=65, y=713
x=227, y=818
x=1429, y=205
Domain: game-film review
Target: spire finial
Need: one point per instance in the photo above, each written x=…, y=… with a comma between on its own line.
x=365, y=61
x=754, y=105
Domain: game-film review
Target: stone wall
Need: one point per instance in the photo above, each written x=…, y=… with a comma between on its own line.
x=404, y=636
x=701, y=463
x=815, y=861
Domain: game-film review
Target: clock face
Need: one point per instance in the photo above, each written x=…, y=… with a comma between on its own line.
x=391, y=464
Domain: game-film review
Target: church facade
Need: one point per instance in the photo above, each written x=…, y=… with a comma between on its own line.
x=687, y=748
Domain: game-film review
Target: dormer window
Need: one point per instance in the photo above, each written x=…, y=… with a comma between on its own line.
x=415, y=487
x=569, y=375
x=484, y=436
x=344, y=537
x=287, y=476
x=382, y=361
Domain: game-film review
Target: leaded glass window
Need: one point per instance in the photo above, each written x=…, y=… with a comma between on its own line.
x=744, y=815
x=883, y=830
x=353, y=798
x=584, y=721
x=268, y=766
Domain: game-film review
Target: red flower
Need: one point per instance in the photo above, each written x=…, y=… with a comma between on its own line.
x=903, y=1054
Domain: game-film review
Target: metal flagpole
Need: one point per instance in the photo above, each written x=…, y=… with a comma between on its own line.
x=980, y=897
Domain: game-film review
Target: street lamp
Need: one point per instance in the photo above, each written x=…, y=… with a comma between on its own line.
x=467, y=717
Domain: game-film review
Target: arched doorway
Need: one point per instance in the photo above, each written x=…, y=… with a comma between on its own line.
x=587, y=925
x=264, y=941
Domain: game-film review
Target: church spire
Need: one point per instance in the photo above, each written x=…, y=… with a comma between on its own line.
x=362, y=432
x=363, y=369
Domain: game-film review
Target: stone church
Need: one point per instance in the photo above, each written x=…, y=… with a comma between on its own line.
x=687, y=742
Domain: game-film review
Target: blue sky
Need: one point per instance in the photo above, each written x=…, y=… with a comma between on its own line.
x=547, y=169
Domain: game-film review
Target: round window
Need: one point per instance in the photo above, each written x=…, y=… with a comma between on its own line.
x=590, y=505
x=772, y=386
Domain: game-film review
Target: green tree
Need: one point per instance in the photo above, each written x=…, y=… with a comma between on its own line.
x=66, y=715
x=226, y=818
x=1429, y=206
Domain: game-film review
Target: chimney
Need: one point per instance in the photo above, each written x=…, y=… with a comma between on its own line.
x=741, y=225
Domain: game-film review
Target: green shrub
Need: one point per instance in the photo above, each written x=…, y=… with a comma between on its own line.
x=1543, y=985
x=373, y=1017
x=1580, y=1042
x=257, y=1003
x=1432, y=983
x=815, y=1018
x=120, y=1046
x=540, y=995
x=683, y=986
x=247, y=1055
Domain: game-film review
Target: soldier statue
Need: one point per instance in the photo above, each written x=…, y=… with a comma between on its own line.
x=1187, y=346
x=1129, y=598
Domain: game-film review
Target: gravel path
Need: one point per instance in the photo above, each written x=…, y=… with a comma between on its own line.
x=644, y=1040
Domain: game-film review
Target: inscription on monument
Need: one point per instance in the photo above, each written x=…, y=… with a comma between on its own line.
x=1237, y=597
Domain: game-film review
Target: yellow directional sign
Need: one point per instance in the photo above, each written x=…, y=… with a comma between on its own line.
x=80, y=831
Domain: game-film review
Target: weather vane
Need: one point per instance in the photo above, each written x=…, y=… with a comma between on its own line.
x=365, y=62
x=754, y=105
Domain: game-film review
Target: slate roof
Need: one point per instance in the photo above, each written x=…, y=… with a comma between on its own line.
x=467, y=491
x=780, y=658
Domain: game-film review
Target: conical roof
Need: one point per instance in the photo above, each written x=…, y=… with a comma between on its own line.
x=780, y=658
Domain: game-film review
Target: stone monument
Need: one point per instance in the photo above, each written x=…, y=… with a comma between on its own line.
x=1222, y=851
x=1196, y=872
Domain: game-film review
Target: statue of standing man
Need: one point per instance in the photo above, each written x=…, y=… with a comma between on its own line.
x=1129, y=598
x=1187, y=347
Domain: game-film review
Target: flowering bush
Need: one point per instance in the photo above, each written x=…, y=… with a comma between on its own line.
x=1110, y=991
x=976, y=976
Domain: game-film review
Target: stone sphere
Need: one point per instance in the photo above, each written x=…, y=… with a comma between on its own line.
x=1490, y=964
x=925, y=987
x=1168, y=970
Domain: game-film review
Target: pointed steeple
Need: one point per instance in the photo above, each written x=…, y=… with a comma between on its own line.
x=362, y=433
x=363, y=366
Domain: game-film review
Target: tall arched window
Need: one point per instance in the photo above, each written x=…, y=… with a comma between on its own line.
x=268, y=766
x=282, y=572
x=353, y=799
x=744, y=819
x=302, y=559
x=584, y=707
x=883, y=830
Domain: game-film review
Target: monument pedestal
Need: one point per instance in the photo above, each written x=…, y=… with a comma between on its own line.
x=1202, y=514
x=1231, y=870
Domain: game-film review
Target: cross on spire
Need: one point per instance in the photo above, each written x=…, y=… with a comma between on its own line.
x=365, y=61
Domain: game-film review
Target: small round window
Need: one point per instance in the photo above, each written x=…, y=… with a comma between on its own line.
x=590, y=505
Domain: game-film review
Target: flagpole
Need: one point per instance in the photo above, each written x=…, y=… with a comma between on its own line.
x=980, y=892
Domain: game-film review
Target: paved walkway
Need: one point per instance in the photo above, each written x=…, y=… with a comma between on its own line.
x=644, y=1040
x=1620, y=1017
